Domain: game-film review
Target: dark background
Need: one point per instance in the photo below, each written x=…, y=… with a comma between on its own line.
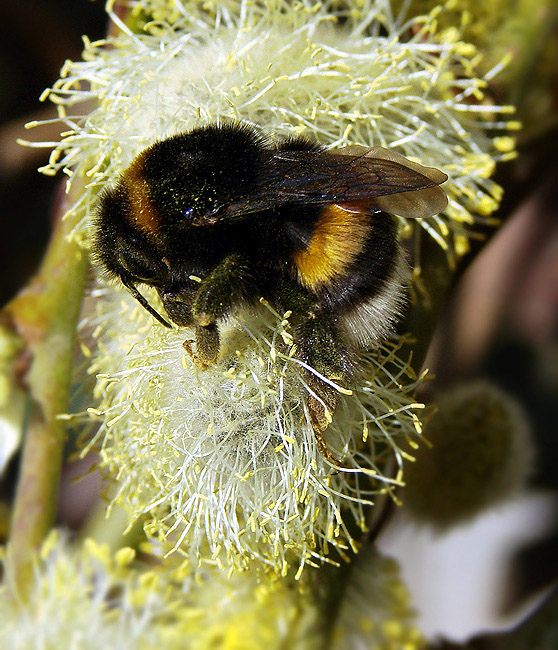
x=35, y=39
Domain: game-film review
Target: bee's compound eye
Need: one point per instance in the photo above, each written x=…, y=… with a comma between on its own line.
x=139, y=272
x=142, y=264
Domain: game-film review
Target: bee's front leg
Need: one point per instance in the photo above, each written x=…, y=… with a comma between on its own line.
x=207, y=346
x=218, y=293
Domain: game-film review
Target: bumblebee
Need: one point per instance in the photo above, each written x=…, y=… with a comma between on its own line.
x=220, y=217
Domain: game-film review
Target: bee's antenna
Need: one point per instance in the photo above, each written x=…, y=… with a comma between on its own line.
x=143, y=302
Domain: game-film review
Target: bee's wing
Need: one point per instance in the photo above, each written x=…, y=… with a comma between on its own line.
x=412, y=204
x=359, y=179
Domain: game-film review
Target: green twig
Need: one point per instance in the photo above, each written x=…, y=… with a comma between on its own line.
x=45, y=316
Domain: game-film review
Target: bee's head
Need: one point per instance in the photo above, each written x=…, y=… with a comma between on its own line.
x=125, y=252
x=169, y=189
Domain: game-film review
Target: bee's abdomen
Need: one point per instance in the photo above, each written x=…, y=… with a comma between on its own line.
x=363, y=282
x=376, y=305
x=337, y=239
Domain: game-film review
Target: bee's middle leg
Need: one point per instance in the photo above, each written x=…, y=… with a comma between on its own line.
x=218, y=293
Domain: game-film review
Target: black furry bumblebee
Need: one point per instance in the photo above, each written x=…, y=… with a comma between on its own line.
x=219, y=217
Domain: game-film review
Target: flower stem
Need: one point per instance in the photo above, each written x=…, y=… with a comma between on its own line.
x=45, y=315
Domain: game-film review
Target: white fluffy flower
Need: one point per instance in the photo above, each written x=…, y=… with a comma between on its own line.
x=87, y=597
x=226, y=458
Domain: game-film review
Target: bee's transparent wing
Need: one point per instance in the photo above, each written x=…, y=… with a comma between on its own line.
x=359, y=179
x=411, y=204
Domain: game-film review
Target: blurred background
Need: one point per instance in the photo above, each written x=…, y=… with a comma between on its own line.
x=36, y=37
x=500, y=320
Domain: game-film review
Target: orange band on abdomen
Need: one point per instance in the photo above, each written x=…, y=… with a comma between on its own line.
x=339, y=236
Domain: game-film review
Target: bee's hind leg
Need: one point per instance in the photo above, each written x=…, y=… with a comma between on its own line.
x=320, y=347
